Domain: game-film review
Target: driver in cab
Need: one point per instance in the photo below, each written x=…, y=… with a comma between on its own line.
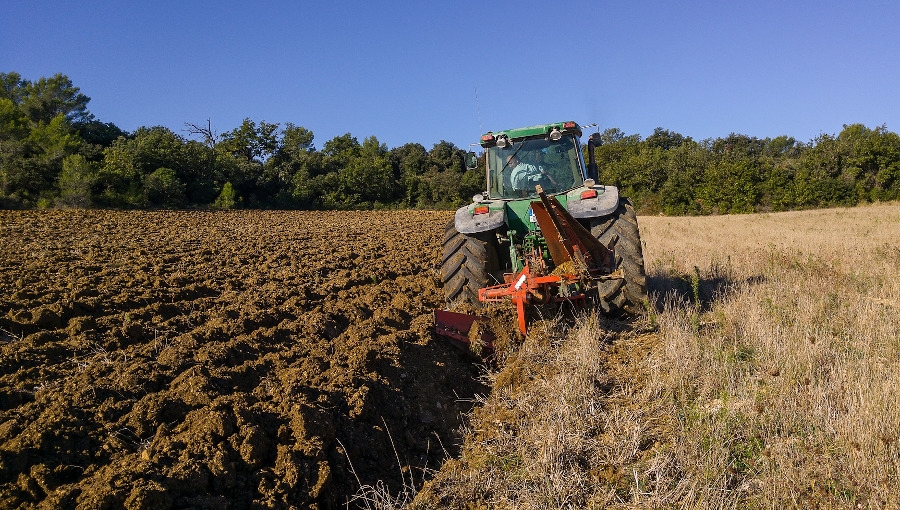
x=524, y=176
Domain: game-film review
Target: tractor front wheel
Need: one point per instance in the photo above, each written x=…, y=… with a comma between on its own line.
x=469, y=263
x=630, y=294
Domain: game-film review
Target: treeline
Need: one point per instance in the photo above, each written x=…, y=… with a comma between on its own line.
x=55, y=153
x=674, y=175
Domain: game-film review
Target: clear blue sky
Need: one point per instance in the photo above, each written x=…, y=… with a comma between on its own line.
x=408, y=71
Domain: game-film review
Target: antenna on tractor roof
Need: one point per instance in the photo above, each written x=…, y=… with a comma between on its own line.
x=478, y=109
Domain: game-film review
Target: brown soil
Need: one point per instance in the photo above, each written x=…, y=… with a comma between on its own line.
x=222, y=360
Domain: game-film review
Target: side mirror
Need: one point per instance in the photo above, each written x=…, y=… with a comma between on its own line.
x=471, y=161
x=592, y=170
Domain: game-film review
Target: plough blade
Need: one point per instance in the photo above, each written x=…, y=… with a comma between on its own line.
x=467, y=332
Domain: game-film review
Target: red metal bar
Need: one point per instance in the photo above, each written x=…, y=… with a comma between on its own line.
x=523, y=286
x=457, y=326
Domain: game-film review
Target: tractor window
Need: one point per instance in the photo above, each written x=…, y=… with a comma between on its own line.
x=514, y=171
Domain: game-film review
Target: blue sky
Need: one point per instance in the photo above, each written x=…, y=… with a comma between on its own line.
x=409, y=71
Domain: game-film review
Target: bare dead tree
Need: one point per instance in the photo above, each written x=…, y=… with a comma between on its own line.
x=210, y=138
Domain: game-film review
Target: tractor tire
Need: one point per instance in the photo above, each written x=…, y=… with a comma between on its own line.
x=469, y=263
x=628, y=295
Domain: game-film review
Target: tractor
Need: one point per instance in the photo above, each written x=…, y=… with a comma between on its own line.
x=544, y=232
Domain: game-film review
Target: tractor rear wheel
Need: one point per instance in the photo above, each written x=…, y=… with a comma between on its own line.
x=630, y=294
x=469, y=263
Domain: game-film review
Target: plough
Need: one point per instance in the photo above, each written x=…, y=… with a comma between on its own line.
x=577, y=262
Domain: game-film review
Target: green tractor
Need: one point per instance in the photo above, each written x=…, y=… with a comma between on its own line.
x=544, y=230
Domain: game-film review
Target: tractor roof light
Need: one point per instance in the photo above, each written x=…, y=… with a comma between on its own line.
x=489, y=137
x=555, y=134
x=569, y=125
x=503, y=141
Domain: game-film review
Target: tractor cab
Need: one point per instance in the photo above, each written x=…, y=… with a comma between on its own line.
x=517, y=160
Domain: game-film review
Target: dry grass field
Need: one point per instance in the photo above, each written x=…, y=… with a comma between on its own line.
x=783, y=375
x=764, y=375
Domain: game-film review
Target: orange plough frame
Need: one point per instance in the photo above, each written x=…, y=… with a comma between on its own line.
x=579, y=260
x=578, y=257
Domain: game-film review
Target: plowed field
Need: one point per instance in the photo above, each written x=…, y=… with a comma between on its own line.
x=221, y=359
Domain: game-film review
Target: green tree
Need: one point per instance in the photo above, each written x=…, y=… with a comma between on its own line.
x=76, y=182
x=251, y=143
x=446, y=156
x=128, y=161
x=30, y=165
x=293, y=154
x=410, y=161
x=339, y=151
x=12, y=87
x=307, y=180
x=99, y=133
x=46, y=98
x=250, y=146
x=43, y=122
x=817, y=180
x=616, y=157
x=367, y=178
x=227, y=199
x=13, y=131
x=613, y=136
x=163, y=188
x=296, y=141
x=782, y=146
x=869, y=160
x=665, y=139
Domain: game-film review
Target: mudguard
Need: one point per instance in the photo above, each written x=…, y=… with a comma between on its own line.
x=467, y=222
x=606, y=201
